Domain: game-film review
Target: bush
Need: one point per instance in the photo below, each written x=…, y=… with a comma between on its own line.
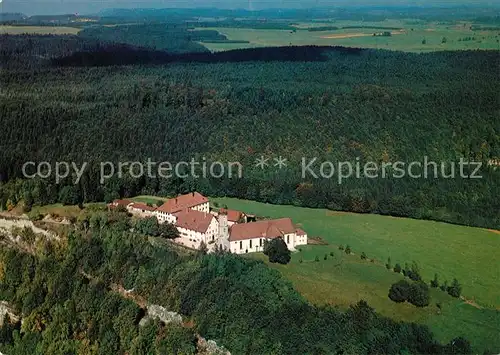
x=363, y=256
x=341, y=247
x=316, y=258
x=399, y=291
x=397, y=268
x=416, y=293
x=332, y=254
x=455, y=289
x=300, y=260
x=325, y=257
x=277, y=251
x=348, y=249
x=444, y=286
x=419, y=294
x=458, y=346
x=435, y=282
x=388, y=264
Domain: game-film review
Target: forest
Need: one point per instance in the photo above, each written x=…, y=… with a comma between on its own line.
x=332, y=103
x=67, y=295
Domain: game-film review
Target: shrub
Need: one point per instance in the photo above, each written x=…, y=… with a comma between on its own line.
x=363, y=256
x=397, y=268
x=316, y=258
x=388, y=264
x=458, y=346
x=341, y=247
x=413, y=272
x=300, y=260
x=444, y=286
x=399, y=291
x=332, y=254
x=455, y=289
x=348, y=249
x=277, y=251
x=435, y=282
x=325, y=257
x=419, y=294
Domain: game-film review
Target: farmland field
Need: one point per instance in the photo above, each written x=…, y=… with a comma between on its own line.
x=56, y=30
x=412, y=36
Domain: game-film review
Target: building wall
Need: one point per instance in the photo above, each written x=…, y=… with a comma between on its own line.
x=257, y=244
x=140, y=213
x=204, y=207
x=247, y=246
x=193, y=239
x=301, y=240
x=165, y=217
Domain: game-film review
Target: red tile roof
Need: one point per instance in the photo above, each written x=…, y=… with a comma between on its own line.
x=182, y=202
x=142, y=206
x=194, y=220
x=232, y=215
x=301, y=232
x=262, y=229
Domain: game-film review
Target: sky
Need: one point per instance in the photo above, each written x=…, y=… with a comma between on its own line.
x=31, y=7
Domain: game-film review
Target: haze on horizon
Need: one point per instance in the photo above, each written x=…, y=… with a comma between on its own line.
x=44, y=7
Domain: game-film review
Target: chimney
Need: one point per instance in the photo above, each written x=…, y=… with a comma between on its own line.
x=193, y=194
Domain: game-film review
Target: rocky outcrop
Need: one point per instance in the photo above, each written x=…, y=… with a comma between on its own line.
x=210, y=347
x=6, y=310
x=167, y=317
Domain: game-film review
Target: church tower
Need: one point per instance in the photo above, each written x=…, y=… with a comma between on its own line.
x=223, y=238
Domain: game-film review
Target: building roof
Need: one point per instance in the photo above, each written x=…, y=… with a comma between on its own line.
x=262, y=229
x=194, y=220
x=232, y=215
x=182, y=202
x=300, y=232
x=142, y=206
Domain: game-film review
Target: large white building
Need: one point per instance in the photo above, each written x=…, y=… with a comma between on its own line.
x=250, y=237
x=195, y=227
x=190, y=214
x=192, y=201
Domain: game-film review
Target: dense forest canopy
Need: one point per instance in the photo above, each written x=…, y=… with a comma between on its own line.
x=341, y=106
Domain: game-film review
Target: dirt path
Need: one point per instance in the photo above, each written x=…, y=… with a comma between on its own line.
x=494, y=231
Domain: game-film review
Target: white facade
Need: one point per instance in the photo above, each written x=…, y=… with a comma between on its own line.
x=253, y=245
x=165, y=217
x=192, y=239
x=203, y=207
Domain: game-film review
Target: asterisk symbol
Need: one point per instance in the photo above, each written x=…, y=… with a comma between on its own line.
x=280, y=162
x=261, y=162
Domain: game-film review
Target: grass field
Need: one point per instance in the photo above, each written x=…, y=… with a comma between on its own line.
x=341, y=280
x=409, y=38
x=469, y=254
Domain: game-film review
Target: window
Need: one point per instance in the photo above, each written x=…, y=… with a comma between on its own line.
x=241, y=244
x=250, y=243
x=287, y=239
x=260, y=242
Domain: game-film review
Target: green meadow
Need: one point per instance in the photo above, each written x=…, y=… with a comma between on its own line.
x=452, y=251
x=469, y=254
x=342, y=279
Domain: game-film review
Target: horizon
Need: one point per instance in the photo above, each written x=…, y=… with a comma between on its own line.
x=42, y=7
